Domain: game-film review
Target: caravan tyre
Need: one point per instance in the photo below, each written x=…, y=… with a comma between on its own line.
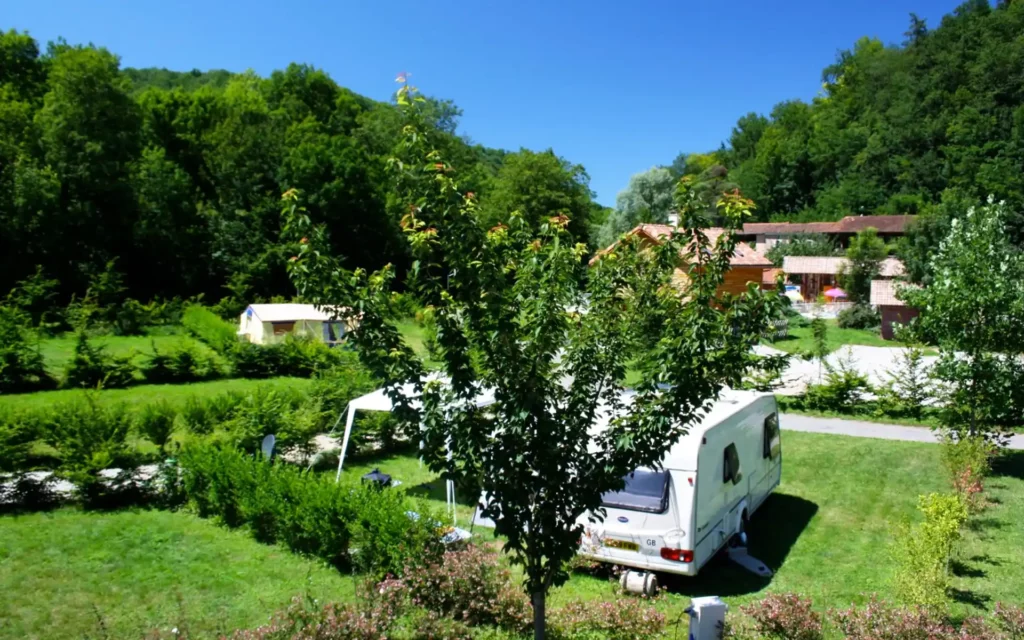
x=739, y=538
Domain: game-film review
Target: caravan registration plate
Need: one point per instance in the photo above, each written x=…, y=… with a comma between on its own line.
x=625, y=545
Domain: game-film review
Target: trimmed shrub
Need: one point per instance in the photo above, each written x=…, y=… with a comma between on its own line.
x=300, y=356
x=859, y=316
x=206, y=325
x=968, y=461
x=264, y=411
x=921, y=554
x=843, y=389
x=21, y=366
x=370, y=530
x=786, y=617
x=91, y=367
x=621, y=619
x=404, y=305
x=184, y=362
x=17, y=432
x=155, y=422
x=89, y=436
x=201, y=415
x=908, y=387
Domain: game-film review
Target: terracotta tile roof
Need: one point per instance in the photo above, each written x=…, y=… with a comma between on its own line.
x=884, y=224
x=849, y=224
x=743, y=256
x=768, y=276
x=755, y=228
x=883, y=293
x=890, y=267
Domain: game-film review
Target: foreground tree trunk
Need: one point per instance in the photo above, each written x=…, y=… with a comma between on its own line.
x=538, y=615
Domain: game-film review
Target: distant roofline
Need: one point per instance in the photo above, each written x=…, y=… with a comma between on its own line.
x=848, y=225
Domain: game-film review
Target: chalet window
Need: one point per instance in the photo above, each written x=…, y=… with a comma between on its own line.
x=283, y=328
x=772, y=437
x=645, y=491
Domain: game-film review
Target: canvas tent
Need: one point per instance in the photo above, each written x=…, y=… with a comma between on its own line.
x=380, y=401
x=268, y=323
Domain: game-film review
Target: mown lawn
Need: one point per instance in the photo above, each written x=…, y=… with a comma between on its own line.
x=801, y=340
x=57, y=351
x=70, y=574
x=176, y=394
x=825, y=532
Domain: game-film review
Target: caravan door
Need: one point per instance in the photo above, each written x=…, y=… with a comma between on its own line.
x=770, y=460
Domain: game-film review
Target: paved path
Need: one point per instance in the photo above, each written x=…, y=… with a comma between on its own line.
x=859, y=428
x=873, y=362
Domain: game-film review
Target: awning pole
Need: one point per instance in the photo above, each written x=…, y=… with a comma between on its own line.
x=344, y=441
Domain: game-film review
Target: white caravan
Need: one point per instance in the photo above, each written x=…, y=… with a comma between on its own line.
x=712, y=480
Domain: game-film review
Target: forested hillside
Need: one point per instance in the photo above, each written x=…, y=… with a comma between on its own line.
x=895, y=129
x=172, y=181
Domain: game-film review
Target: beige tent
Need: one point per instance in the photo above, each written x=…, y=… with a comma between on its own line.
x=269, y=323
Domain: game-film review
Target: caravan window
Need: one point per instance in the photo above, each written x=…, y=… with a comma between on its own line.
x=645, y=490
x=731, y=471
x=772, y=438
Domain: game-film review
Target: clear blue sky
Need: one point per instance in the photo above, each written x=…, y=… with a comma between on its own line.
x=616, y=86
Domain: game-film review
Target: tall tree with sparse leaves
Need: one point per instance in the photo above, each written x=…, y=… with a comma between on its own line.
x=513, y=317
x=972, y=309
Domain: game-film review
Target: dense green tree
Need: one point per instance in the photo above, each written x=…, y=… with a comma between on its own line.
x=972, y=309
x=537, y=185
x=863, y=263
x=897, y=127
x=647, y=198
x=88, y=130
x=811, y=244
x=177, y=175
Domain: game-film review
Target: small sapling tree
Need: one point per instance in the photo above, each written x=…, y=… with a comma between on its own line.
x=516, y=314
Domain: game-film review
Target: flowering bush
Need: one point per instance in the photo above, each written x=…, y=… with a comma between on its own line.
x=968, y=460
x=469, y=586
x=1010, y=619
x=307, y=620
x=620, y=619
x=878, y=620
x=786, y=616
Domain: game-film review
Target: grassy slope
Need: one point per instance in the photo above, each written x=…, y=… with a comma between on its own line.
x=174, y=393
x=58, y=351
x=825, y=532
x=61, y=572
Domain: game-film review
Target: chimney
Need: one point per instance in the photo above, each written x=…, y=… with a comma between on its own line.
x=673, y=218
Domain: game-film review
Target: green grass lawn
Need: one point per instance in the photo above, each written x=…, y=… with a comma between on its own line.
x=62, y=573
x=865, y=411
x=800, y=339
x=825, y=532
x=173, y=393
x=57, y=352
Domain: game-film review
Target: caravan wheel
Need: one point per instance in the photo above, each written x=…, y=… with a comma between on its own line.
x=739, y=539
